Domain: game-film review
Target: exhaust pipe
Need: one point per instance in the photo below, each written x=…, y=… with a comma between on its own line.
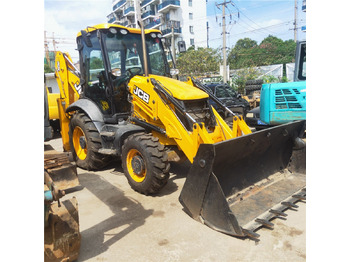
x=143, y=38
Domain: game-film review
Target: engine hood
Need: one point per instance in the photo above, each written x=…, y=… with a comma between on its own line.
x=180, y=90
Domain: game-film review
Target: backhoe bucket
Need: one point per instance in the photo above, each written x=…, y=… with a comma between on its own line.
x=239, y=185
x=61, y=170
x=62, y=237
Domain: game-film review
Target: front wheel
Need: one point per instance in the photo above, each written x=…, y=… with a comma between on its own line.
x=145, y=163
x=85, y=141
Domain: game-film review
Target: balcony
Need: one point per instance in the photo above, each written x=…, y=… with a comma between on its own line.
x=112, y=20
x=167, y=32
x=147, y=2
x=148, y=14
x=153, y=24
x=167, y=5
x=119, y=5
x=129, y=11
x=125, y=23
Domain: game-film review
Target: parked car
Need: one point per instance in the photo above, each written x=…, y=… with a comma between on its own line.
x=229, y=98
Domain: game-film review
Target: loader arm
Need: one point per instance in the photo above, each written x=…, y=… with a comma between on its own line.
x=155, y=103
x=68, y=80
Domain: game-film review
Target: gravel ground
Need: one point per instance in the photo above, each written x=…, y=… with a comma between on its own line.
x=119, y=224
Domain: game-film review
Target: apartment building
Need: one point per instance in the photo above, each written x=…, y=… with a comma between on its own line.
x=303, y=8
x=187, y=17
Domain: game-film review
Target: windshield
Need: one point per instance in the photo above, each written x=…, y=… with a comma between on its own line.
x=125, y=52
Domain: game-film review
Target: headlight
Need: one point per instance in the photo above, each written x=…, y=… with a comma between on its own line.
x=113, y=30
x=174, y=71
x=250, y=115
x=123, y=31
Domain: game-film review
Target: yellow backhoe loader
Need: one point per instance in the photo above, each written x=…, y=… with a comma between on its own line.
x=126, y=102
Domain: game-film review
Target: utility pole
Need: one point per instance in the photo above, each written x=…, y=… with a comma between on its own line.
x=54, y=42
x=46, y=45
x=224, y=37
x=207, y=34
x=295, y=20
x=138, y=11
x=173, y=42
x=224, y=43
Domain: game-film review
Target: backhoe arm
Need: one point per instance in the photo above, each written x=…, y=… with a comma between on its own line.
x=68, y=79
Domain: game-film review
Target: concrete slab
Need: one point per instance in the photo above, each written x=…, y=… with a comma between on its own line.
x=119, y=224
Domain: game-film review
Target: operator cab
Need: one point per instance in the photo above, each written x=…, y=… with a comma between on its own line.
x=110, y=57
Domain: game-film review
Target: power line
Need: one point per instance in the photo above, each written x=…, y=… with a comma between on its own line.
x=282, y=23
x=269, y=31
x=250, y=31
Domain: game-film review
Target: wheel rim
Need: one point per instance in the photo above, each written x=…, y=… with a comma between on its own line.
x=136, y=165
x=78, y=136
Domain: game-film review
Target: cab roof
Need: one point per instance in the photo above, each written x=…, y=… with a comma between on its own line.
x=107, y=26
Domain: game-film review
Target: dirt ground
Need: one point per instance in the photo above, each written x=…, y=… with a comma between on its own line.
x=119, y=224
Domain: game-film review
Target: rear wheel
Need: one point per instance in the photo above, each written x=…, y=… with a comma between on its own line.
x=85, y=141
x=145, y=163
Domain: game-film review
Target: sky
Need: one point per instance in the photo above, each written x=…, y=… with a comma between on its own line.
x=254, y=19
x=63, y=19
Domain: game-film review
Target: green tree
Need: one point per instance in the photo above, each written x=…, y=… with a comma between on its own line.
x=245, y=43
x=47, y=69
x=96, y=63
x=238, y=56
x=198, y=62
x=271, y=41
x=271, y=50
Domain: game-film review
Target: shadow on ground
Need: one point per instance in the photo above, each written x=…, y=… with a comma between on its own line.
x=129, y=214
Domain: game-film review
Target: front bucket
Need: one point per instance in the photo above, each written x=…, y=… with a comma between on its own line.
x=239, y=185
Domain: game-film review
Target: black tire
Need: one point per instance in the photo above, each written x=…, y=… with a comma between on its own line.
x=145, y=163
x=253, y=88
x=254, y=82
x=85, y=141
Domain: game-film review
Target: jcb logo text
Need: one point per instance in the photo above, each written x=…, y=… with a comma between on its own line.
x=141, y=94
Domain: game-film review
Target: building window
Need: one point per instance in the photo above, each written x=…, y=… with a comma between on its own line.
x=191, y=41
x=190, y=15
x=189, y=2
x=167, y=17
x=191, y=29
